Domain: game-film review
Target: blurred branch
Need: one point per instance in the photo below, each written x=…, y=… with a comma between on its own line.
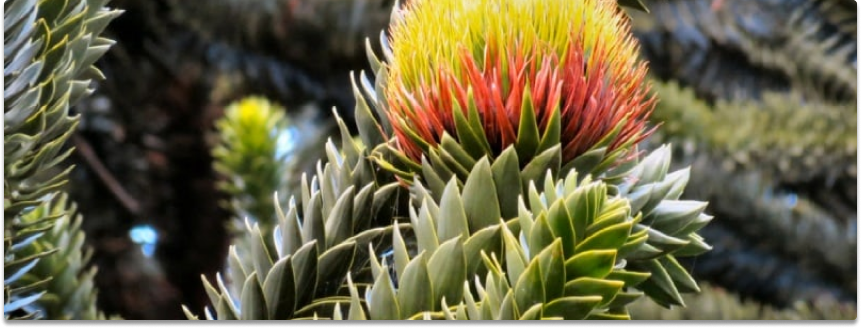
x=86, y=152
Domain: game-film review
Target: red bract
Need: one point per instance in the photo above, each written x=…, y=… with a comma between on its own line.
x=593, y=93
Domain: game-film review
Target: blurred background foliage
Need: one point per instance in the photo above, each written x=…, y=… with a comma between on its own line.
x=758, y=96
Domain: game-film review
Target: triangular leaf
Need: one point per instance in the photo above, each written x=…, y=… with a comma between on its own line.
x=279, y=289
x=415, y=293
x=479, y=197
x=595, y=264
x=447, y=269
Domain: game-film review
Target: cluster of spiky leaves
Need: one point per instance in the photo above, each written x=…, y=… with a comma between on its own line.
x=443, y=231
x=533, y=75
x=71, y=293
x=48, y=67
x=789, y=222
x=579, y=249
x=714, y=303
x=797, y=202
x=252, y=156
x=600, y=233
x=319, y=238
x=49, y=49
x=586, y=236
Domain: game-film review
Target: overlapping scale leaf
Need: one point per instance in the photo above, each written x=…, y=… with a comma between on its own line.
x=572, y=257
x=446, y=254
x=299, y=269
x=47, y=68
x=606, y=233
x=569, y=277
x=279, y=287
x=67, y=278
x=49, y=50
x=670, y=225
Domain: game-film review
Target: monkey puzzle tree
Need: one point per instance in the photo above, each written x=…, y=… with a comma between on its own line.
x=507, y=146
